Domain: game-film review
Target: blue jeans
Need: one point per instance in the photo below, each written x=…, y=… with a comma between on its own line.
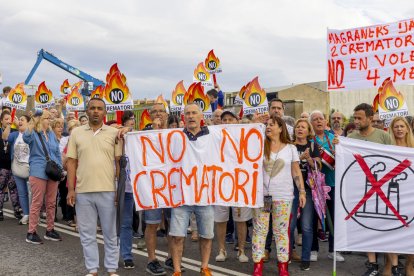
x=180, y=218
x=88, y=207
x=126, y=227
x=306, y=218
x=23, y=192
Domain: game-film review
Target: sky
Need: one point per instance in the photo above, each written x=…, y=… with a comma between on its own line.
x=159, y=43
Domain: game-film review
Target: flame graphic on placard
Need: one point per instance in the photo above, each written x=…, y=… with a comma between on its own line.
x=254, y=89
x=65, y=87
x=196, y=94
x=160, y=99
x=78, y=85
x=118, y=87
x=212, y=62
x=113, y=70
x=145, y=119
x=386, y=91
x=98, y=92
x=200, y=73
x=187, y=95
x=75, y=98
x=242, y=91
x=17, y=95
x=375, y=103
x=178, y=92
x=43, y=95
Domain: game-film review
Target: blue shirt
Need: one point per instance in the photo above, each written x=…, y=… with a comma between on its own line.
x=37, y=159
x=329, y=174
x=219, y=102
x=12, y=139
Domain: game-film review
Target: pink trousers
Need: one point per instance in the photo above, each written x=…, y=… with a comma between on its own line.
x=46, y=189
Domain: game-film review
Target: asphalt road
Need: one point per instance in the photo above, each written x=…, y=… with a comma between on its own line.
x=65, y=258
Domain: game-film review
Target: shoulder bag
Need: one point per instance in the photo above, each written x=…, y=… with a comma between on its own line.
x=53, y=170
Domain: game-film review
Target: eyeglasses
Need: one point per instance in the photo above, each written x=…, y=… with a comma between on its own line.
x=157, y=111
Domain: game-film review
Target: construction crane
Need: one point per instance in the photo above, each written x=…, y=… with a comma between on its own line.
x=90, y=82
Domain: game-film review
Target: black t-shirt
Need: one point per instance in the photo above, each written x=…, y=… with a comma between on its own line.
x=313, y=150
x=5, y=156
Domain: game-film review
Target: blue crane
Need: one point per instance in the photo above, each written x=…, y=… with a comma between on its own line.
x=91, y=82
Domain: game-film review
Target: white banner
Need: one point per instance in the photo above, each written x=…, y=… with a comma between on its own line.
x=223, y=167
x=374, y=197
x=364, y=57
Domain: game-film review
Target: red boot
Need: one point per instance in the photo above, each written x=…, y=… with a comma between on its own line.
x=258, y=268
x=283, y=269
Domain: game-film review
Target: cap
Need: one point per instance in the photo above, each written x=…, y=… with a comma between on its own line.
x=228, y=112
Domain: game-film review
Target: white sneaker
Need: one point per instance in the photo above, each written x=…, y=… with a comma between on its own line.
x=141, y=244
x=222, y=256
x=339, y=257
x=314, y=256
x=24, y=220
x=242, y=257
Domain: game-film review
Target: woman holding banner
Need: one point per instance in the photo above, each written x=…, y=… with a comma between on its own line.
x=401, y=135
x=281, y=165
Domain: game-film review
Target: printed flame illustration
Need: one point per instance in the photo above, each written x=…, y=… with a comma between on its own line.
x=75, y=94
x=40, y=95
x=211, y=57
x=65, y=87
x=116, y=82
x=201, y=69
x=77, y=85
x=387, y=90
x=254, y=88
x=160, y=99
x=196, y=94
x=145, y=119
x=98, y=92
x=18, y=90
x=375, y=103
x=114, y=70
x=242, y=91
x=187, y=95
x=179, y=90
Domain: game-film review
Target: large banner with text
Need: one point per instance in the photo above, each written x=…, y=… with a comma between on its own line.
x=364, y=57
x=374, y=197
x=223, y=167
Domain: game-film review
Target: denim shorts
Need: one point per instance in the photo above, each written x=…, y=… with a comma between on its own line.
x=180, y=218
x=154, y=216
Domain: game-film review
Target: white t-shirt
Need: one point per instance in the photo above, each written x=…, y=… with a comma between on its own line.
x=281, y=182
x=21, y=149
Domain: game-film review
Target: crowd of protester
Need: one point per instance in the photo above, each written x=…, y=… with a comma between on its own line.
x=88, y=203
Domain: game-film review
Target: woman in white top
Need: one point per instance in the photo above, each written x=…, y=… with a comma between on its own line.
x=280, y=169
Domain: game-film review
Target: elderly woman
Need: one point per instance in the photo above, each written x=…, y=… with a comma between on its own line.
x=40, y=184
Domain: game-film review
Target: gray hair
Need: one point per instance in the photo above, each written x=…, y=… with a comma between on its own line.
x=315, y=112
x=289, y=120
x=193, y=103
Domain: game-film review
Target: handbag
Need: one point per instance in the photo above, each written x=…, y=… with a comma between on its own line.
x=53, y=170
x=20, y=169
